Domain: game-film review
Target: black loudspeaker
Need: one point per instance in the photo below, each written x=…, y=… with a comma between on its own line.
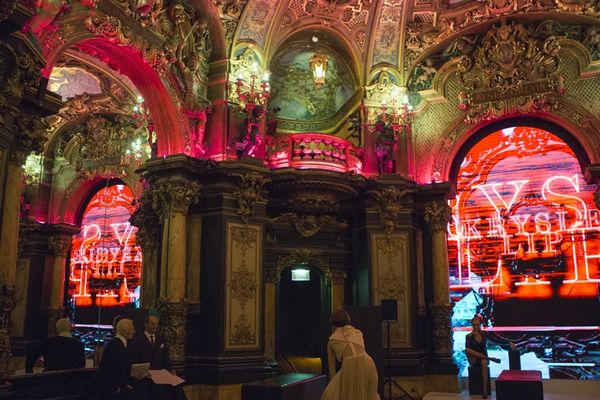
x=389, y=310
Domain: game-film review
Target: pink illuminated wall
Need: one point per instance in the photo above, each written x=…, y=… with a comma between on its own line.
x=524, y=224
x=106, y=263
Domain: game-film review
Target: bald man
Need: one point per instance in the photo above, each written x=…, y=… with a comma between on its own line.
x=59, y=352
x=113, y=371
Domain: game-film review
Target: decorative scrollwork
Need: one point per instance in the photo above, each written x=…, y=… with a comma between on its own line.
x=510, y=71
x=437, y=216
x=389, y=202
x=174, y=197
x=173, y=327
x=250, y=186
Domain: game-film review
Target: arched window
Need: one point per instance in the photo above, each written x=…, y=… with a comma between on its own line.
x=106, y=263
x=524, y=243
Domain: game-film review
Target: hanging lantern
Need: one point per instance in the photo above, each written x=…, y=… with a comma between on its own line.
x=318, y=64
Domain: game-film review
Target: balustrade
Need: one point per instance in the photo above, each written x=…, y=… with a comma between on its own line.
x=313, y=151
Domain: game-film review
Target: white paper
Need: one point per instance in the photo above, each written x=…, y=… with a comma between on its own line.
x=139, y=371
x=164, y=377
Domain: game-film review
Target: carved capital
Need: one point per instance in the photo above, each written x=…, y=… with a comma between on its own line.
x=173, y=327
x=18, y=71
x=336, y=277
x=272, y=276
x=59, y=245
x=389, y=204
x=174, y=197
x=147, y=221
x=437, y=216
x=7, y=304
x=250, y=186
x=442, y=328
x=30, y=136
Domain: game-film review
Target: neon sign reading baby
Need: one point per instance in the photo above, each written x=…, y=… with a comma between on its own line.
x=105, y=261
x=515, y=225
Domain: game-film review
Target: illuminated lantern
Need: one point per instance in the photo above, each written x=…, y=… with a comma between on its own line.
x=318, y=65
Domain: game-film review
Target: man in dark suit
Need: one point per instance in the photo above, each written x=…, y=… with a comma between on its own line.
x=59, y=352
x=148, y=347
x=113, y=371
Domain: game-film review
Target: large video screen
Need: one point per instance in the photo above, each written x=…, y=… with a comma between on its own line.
x=106, y=262
x=524, y=252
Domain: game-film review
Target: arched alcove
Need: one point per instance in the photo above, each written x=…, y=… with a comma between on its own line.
x=523, y=245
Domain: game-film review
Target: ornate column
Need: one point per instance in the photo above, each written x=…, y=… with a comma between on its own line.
x=337, y=279
x=147, y=221
x=437, y=215
x=171, y=199
x=59, y=246
x=7, y=304
x=272, y=278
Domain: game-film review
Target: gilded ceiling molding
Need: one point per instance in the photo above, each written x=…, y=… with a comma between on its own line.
x=230, y=12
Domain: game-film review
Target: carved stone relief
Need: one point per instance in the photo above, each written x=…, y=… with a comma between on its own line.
x=250, y=186
x=389, y=202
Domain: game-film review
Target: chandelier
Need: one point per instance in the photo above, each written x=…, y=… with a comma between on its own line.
x=395, y=113
x=318, y=65
x=250, y=93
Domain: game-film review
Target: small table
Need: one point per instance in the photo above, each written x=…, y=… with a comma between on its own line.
x=519, y=385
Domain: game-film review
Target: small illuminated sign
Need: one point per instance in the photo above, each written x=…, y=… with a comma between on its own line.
x=300, y=274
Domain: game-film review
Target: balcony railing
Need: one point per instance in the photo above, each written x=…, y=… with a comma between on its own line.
x=313, y=151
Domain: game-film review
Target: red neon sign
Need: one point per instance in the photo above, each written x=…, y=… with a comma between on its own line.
x=106, y=263
x=524, y=223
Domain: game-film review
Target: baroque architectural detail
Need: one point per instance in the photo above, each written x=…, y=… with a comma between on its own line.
x=272, y=275
x=29, y=137
x=437, y=216
x=250, y=186
x=336, y=277
x=18, y=72
x=59, y=245
x=442, y=328
x=173, y=325
x=510, y=71
x=174, y=197
x=147, y=221
x=310, y=225
x=307, y=257
x=230, y=12
x=389, y=202
x=242, y=332
x=7, y=304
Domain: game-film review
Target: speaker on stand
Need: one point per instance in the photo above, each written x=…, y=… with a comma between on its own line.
x=389, y=314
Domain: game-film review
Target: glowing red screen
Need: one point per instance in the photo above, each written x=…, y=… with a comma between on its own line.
x=106, y=263
x=525, y=226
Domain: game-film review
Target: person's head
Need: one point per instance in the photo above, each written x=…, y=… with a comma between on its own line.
x=476, y=323
x=116, y=320
x=63, y=325
x=125, y=328
x=339, y=318
x=151, y=324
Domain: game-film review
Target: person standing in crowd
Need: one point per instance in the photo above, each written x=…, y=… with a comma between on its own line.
x=113, y=372
x=357, y=378
x=149, y=347
x=60, y=352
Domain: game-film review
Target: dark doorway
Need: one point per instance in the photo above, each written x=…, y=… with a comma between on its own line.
x=302, y=318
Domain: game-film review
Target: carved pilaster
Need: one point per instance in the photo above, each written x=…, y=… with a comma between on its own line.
x=7, y=304
x=335, y=277
x=389, y=204
x=272, y=276
x=59, y=245
x=442, y=329
x=174, y=197
x=437, y=216
x=250, y=186
x=173, y=326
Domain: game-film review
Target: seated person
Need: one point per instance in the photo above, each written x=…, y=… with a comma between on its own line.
x=59, y=352
x=476, y=349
